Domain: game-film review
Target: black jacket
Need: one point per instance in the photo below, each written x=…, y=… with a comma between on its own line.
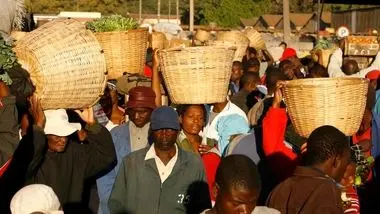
x=67, y=172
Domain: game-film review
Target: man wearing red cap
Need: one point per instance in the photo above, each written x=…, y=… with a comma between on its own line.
x=129, y=137
x=290, y=60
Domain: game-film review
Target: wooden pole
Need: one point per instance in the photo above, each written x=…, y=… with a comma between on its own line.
x=177, y=9
x=140, y=11
x=191, y=16
x=158, y=10
x=286, y=17
x=170, y=9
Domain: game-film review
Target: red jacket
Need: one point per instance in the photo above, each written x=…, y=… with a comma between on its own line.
x=281, y=159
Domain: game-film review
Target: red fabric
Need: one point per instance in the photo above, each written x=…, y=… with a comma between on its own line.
x=148, y=71
x=373, y=75
x=353, y=198
x=211, y=162
x=5, y=167
x=281, y=159
x=263, y=80
x=288, y=53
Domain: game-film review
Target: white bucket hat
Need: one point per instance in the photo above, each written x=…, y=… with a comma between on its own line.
x=57, y=123
x=35, y=198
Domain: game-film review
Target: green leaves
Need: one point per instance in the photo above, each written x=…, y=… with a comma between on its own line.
x=112, y=23
x=8, y=58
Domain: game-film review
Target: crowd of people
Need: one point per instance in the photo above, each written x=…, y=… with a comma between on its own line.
x=132, y=153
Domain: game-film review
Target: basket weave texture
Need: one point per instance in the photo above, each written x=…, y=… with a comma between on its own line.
x=197, y=75
x=255, y=38
x=233, y=38
x=157, y=40
x=339, y=102
x=124, y=51
x=66, y=64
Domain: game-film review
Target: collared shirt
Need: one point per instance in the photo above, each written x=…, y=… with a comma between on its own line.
x=139, y=136
x=210, y=129
x=336, y=62
x=110, y=125
x=163, y=170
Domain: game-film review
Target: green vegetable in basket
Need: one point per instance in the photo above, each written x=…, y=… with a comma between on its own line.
x=112, y=23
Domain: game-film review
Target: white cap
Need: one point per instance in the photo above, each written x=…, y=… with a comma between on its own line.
x=35, y=198
x=57, y=123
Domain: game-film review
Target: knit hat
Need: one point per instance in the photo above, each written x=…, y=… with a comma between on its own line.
x=288, y=53
x=57, y=123
x=141, y=97
x=35, y=198
x=373, y=75
x=164, y=118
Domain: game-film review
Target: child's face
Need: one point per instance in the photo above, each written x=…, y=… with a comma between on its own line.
x=349, y=175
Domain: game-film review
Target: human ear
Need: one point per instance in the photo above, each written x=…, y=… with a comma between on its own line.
x=215, y=190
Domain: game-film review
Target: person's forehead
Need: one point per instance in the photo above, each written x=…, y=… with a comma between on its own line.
x=139, y=109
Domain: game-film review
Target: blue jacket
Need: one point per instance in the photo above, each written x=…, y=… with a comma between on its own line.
x=121, y=140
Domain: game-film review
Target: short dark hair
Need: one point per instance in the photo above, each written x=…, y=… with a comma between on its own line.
x=237, y=63
x=283, y=63
x=318, y=71
x=273, y=76
x=350, y=67
x=182, y=109
x=249, y=77
x=252, y=50
x=284, y=43
x=323, y=143
x=237, y=171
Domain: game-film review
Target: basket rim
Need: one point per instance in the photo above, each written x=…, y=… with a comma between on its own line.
x=126, y=31
x=314, y=82
x=199, y=48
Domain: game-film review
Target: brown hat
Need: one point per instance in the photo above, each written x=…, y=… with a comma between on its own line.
x=141, y=97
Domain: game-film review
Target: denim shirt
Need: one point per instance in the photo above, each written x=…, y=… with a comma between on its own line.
x=121, y=139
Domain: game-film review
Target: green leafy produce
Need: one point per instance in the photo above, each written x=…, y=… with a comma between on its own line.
x=112, y=23
x=363, y=170
x=8, y=58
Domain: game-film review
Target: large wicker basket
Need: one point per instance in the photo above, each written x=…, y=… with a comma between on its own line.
x=233, y=38
x=255, y=38
x=66, y=64
x=197, y=75
x=339, y=102
x=157, y=40
x=124, y=51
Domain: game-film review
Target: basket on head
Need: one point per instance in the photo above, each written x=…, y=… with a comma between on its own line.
x=197, y=75
x=65, y=63
x=339, y=102
x=125, y=51
x=177, y=43
x=157, y=40
x=255, y=38
x=233, y=38
x=202, y=36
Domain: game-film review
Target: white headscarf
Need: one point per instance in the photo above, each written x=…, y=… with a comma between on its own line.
x=35, y=198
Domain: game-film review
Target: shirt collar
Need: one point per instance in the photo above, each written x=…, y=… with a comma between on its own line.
x=226, y=108
x=151, y=154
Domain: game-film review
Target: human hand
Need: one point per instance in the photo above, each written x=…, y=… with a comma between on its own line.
x=303, y=148
x=278, y=94
x=36, y=111
x=4, y=89
x=204, y=149
x=87, y=115
x=156, y=60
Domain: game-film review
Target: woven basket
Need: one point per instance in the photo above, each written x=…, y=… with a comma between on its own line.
x=17, y=35
x=255, y=38
x=339, y=102
x=66, y=64
x=202, y=36
x=157, y=40
x=197, y=75
x=124, y=51
x=177, y=43
x=233, y=38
